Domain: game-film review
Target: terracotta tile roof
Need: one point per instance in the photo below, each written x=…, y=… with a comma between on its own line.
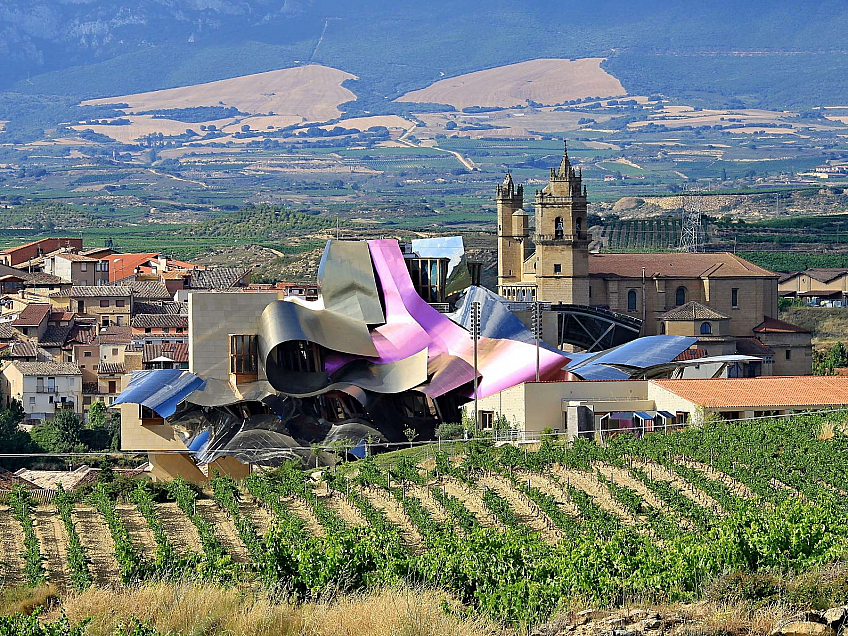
x=54, y=336
x=675, y=265
x=159, y=320
x=691, y=354
x=752, y=347
x=6, y=331
x=70, y=480
x=142, y=307
x=766, y=392
x=175, y=351
x=95, y=291
x=70, y=256
x=32, y=315
x=61, y=316
x=693, y=311
x=47, y=368
x=123, y=265
x=9, y=480
x=825, y=274
x=173, y=274
x=114, y=335
x=773, y=325
x=111, y=368
x=21, y=349
x=150, y=289
x=37, y=279
x=217, y=278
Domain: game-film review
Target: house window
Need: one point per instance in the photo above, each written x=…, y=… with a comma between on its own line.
x=487, y=420
x=631, y=300
x=590, y=291
x=147, y=330
x=32, y=400
x=119, y=320
x=120, y=302
x=113, y=386
x=86, y=354
x=706, y=329
x=104, y=321
x=734, y=298
x=166, y=330
x=557, y=268
x=680, y=296
x=104, y=302
x=243, y=356
x=83, y=267
x=114, y=351
x=789, y=354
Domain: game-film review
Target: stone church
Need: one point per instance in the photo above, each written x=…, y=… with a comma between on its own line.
x=729, y=303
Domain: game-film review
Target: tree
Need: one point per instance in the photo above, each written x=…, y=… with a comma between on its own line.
x=410, y=434
x=67, y=427
x=97, y=415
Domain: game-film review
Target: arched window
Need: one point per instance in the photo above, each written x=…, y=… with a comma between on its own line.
x=631, y=300
x=578, y=225
x=680, y=296
x=706, y=329
x=559, y=230
x=662, y=328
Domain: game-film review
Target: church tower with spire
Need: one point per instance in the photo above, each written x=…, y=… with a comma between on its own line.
x=561, y=237
x=513, y=231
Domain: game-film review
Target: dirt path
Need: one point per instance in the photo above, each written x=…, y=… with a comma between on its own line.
x=396, y=515
x=552, y=488
x=437, y=511
x=304, y=511
x=97, y=541
x=349, y=513
x=472, y=501
x=261, y=518
x=178, y=527
x=661, y=473
x=139, y=531
x=524, y=508
x=224, y=530
x=600, y=494
x=51, y=534
x=11, y=549
x=736, y=487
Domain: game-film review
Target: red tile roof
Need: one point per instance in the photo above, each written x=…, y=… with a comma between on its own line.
x=123, y=265
x=691, y=354
x=675, y=265
x=32, y=315
x=773, y=325
x=767, y=392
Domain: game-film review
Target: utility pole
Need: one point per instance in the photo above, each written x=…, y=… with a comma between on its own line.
x=643, y=298
x=475, y=335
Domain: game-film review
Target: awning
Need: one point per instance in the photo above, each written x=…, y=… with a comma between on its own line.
x=160, y=390
x=644, y=415
x=665, y=414
x=623, y=415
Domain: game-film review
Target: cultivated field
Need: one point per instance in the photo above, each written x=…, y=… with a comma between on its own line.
x=311, y=93
x=517, y=535
x=546, y=81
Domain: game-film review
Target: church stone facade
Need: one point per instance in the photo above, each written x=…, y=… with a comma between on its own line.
x=553, y=264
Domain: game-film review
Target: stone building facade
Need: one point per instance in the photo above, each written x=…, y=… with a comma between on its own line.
x=553, y=264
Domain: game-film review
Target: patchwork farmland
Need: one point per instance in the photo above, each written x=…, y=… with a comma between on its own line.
x=508, y=531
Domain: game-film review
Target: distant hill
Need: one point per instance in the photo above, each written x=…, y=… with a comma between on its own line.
x=761, y=53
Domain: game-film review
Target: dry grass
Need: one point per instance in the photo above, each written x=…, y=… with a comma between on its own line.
x=547, y=81
x=827, y=431
x=309, y=93
x=24, y=599
x=211, y=610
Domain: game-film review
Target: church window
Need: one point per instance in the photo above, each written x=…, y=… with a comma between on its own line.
x=590, y=291
x=680, y=296
x=558, y=228
x=662, y=328
x=631, y=300
x=706, y=329
x=578, y=225
x=557, y=268
x=789, y=354
x=734, y=298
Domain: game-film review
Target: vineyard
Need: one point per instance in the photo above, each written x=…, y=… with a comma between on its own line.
x=641, y=235
x=508, y=532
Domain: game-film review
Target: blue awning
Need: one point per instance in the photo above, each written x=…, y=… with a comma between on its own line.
x=160, y=390
x=665, y=414
x=622, y=415
x=644, y=415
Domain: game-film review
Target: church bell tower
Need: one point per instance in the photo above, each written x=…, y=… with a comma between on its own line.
x=513, y=231
x=561, y=237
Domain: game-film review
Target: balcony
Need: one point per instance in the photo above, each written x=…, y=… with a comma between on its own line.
x=561, y=238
